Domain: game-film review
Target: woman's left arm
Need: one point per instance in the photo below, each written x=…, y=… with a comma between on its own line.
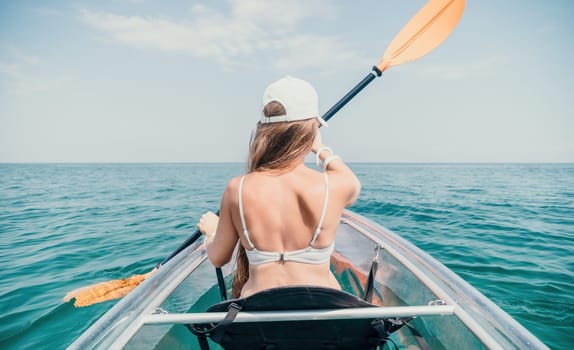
x=221, y=236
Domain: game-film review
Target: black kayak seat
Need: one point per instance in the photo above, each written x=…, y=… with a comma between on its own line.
x=312, y=334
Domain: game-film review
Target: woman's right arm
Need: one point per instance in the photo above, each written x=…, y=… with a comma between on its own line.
x=339, y=173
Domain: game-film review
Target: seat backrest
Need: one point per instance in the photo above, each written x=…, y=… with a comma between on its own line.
x=294, y=298
x=299, y=335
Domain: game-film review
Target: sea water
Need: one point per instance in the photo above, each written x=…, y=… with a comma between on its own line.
x=507, y=229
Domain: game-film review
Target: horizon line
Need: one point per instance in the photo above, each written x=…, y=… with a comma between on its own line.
x=240, y=163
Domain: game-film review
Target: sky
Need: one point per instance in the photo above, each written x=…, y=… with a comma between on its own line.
x=181, y=81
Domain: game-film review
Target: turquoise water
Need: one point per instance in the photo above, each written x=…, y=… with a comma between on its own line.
x=506, y=229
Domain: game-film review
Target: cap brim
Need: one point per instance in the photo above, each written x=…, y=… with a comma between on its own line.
x=322, y=122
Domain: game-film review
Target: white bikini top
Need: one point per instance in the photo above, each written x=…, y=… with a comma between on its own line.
x=308, y=255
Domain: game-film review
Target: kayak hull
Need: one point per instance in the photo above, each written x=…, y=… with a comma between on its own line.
x=407, y=281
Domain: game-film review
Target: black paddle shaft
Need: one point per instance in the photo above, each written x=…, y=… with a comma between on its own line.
x=360, y=86
x=189, y=241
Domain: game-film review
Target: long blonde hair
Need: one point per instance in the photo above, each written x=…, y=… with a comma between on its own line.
x=275, y=146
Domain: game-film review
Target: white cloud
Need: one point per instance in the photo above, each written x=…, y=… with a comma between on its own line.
x=13, y=61
x=22, y=74
x=233, y=39
x=280, y=14
x=207, y=35
x=9, y=68
x=312, y=51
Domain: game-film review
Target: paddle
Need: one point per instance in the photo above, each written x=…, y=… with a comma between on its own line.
x=425, y=31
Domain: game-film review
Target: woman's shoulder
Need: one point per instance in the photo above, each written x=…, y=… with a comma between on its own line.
x=232, y=188
x=233, y=183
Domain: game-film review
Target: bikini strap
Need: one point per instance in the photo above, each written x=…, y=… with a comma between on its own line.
x=245, y=232
x=318, y=230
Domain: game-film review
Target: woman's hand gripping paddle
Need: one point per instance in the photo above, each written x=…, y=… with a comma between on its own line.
x=425, y=31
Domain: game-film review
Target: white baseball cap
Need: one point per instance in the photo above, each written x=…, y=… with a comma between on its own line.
x=297, y=96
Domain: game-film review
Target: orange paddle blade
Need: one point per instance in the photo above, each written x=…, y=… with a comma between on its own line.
x=425, y=31
x=104, y=291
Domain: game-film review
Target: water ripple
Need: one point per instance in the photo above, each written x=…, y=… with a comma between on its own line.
x=507, y=229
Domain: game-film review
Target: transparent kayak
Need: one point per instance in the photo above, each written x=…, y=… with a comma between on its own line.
x=448, y=312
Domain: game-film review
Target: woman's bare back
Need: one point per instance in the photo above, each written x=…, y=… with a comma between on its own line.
x=282, y=212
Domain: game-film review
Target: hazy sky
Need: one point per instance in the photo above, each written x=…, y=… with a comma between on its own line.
x=181, y=81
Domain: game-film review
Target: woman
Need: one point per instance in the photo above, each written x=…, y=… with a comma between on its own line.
x=284, y=214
